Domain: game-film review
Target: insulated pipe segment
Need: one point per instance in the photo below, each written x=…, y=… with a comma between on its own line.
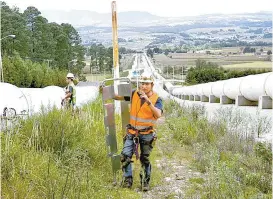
x=207, y=89
x=232, y=88
x=217, y=88
x=253, y=86
x=269, y=85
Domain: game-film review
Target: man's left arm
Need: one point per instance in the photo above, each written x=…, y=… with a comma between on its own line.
x=157, y=108
x=156, y=111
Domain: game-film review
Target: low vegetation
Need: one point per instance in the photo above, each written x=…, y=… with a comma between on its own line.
x=57, y=155
x=234, y=165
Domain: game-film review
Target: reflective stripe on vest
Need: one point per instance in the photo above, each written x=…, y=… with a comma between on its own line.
x=142, y=117
x=142, y=120
x=141, y=127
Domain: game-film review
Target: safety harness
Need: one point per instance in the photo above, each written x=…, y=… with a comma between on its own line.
x=141, y=122
x=136, y=138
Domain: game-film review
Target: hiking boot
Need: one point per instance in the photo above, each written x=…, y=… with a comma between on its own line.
x=128, y=182
x=146, y=186
x=144, y=183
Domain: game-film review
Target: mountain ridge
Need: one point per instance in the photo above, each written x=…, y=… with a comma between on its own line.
x=80, y=18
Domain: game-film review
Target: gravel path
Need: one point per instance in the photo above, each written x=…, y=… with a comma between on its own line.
x=176, y=171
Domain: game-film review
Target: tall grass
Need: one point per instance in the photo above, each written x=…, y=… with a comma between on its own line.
x=57, y=155
x=235, y=165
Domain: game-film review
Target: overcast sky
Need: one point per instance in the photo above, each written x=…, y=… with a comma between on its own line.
x=171, y=8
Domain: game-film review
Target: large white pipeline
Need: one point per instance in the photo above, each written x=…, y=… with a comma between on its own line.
x=218, y=88
x=207, y=89
x=35, y=98
x=232, y=88
x=250, y=87
x=12, y=97
x=253, y=86
x=268, y=85
x=169, y=86
x=199, y=89
x=178, y=91
x=31, y=99
x=229, y=88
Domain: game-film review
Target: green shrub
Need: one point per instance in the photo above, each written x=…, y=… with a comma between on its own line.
x=205, y=72
x=29, y=74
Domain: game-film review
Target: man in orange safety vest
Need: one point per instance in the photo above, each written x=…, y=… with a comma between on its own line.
x=146, y=108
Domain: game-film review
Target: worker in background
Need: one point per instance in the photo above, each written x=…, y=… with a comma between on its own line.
x=69, y=100
x=146, y=108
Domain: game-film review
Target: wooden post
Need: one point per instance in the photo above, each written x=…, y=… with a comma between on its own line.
x=115, y=40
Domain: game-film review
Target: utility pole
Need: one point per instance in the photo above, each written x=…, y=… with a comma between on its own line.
x=173, y=72
x=182, y=72
x=115, y=53
x=96, y=59
x=91, y=64
x=91, y=74
x=115, y=40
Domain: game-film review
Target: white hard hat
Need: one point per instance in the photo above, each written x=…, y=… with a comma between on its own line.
x=146, y=78
x=70, y=75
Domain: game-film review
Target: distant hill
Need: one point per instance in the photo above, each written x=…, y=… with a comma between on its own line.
x=85, y=18
x=82, y=18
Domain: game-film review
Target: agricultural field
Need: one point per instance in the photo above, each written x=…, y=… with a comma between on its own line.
x=229, y=61
x=237, y=49
x=250, y=65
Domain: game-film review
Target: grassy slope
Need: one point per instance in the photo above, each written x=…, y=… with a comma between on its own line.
x=54, y=156
x=57, y=156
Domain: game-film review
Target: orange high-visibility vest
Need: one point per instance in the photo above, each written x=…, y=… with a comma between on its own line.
x=142, y=117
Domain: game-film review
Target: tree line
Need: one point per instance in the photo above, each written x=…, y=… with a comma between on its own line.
x=28, y=74
x=101, y=57
x=58, y=45
x=205, y=72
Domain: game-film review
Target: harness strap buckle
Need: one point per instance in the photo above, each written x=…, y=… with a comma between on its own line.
x=136, y=140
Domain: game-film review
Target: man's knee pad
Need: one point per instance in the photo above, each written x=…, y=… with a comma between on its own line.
x=144, y=159
x=125, y=160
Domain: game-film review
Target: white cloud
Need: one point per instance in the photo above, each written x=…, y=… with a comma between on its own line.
x=158, y=7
